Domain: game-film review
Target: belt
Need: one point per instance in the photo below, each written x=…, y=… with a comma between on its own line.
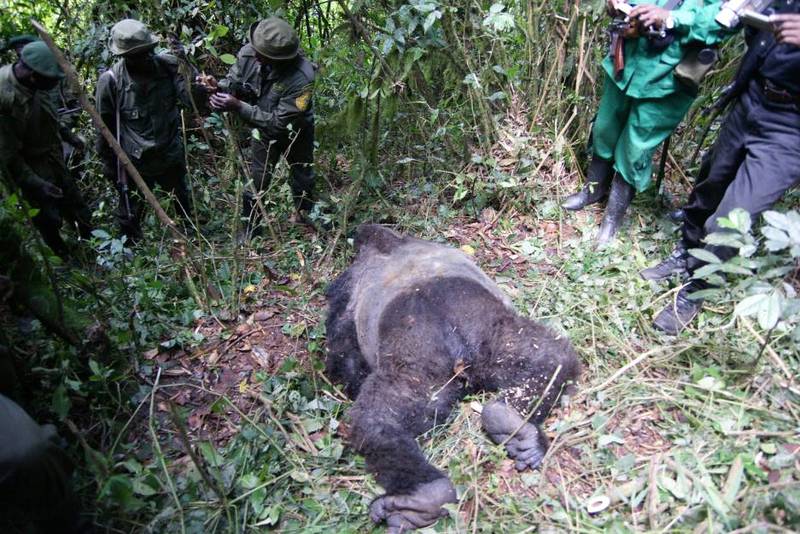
x=776, y=94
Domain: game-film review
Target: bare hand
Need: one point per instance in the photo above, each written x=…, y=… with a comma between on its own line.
x=208, y=82
x=225, y=102
x=787, y=28
x=52, y=191
x=650, y=15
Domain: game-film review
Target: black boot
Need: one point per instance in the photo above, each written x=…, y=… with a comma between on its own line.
x=679, y=313
x=677, y=216
x=619, y=199
x=598, y=180
x=674, y=264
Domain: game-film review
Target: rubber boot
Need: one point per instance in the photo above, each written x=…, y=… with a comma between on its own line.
x=619, y=199
x=598, y=180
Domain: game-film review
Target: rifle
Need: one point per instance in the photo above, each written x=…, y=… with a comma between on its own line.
x=617, y=31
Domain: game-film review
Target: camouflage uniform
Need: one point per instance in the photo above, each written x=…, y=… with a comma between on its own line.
x=31, y=157
x=150, y=124
x=276, y=99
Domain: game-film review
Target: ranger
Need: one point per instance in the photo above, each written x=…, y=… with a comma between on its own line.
x=271, y=87
x=643, y=101
x=138, y=99
x=31, y=155
x=755, y=159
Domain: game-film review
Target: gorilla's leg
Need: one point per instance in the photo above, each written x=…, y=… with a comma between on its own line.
x=412, y=389
x=530, y=366
x=391, y=409
x=345, y=363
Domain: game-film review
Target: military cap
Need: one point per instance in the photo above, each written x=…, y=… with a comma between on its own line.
x=275, y=39
x=18, y=40
x=129, y=36
x=41, y=60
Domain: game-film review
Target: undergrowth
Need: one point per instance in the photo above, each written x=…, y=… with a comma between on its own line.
x=209, y=412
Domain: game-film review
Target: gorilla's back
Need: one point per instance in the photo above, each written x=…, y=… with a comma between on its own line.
x=381, y=275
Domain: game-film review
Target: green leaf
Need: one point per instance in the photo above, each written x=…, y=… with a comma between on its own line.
x=776, y=239
x=607, y=439
x=704, y=255
x=220, y=31
x=737, y=219
x=60, y=403
x=228, y=59
x=430, y=20
x=770, y=311
x=734, y=481
x=140, y=488
x=708, y=269
x=750, y=305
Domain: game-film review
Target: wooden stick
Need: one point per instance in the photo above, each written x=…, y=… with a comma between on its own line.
x=72, y=77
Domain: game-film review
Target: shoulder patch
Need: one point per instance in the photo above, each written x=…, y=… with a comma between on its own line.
x=303, y=100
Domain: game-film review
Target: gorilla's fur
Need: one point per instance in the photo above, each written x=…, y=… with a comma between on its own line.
x=414, y=326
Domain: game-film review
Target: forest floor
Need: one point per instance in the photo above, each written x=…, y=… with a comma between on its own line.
x=691, y=433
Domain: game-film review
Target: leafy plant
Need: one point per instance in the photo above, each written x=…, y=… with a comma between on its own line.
x=763, y=276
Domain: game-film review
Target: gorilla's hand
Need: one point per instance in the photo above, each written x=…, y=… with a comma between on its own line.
x=421, y=508
x=526, y=446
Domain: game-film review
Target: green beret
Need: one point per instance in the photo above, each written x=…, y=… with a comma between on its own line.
x=130, y=36
x=41, y=60
x=275, y=39
x=20, y=40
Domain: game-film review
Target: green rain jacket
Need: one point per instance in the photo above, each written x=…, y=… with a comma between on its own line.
x=30, y=145
x=272, y=99
x=649, y=74
x=149, y=113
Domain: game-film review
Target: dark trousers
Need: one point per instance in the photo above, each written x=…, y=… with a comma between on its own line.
x=52, y=212
x=34, y=476
x=171, y=179
x=755, y=159
x=299, y=153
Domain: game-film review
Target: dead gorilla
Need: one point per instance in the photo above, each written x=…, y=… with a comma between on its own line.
x=402, y=320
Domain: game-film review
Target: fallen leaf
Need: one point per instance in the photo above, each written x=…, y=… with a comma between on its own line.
x=213, y=357
x=263, y=315
x=242, y=329
x=150, y=354
x=468, y=250
x=261, y=357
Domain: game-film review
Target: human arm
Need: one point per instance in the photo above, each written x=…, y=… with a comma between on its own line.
x=293, y=104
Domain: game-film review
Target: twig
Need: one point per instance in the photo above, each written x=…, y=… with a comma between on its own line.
x=183, y=437
x=770, y=351
x=161, y=460
x=625, y=368
x=652, y=496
